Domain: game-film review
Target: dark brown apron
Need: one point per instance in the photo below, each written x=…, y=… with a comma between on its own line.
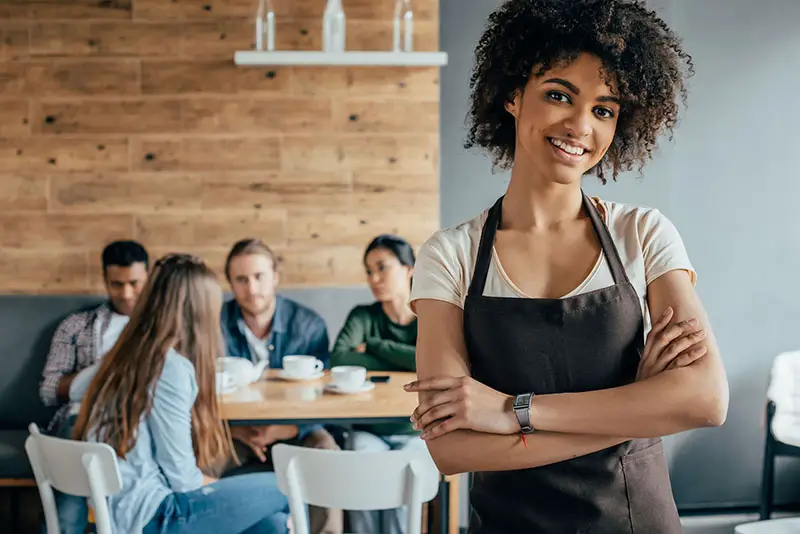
x=581, y=343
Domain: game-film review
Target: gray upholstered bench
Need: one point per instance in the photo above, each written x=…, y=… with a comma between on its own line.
x=27, y=323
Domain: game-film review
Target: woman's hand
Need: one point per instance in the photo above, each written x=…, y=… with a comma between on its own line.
x=362, y=348
x=259, y=438
x=254, y=437
x=670, y=345
x=461, y=403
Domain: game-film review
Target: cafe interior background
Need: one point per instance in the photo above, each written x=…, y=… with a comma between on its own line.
x=131, y=118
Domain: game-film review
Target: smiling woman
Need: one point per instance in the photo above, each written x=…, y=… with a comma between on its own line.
x=560, y=336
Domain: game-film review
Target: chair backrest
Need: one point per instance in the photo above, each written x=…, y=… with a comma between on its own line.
x=74, y=467
x=353, y=480
x=789, y=525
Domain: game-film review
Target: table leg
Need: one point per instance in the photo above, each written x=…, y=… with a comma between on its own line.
x=348, y=437
x=470, y=480
x=348, y=446
x=15, y=510
x=444, y=506
x=455, y=501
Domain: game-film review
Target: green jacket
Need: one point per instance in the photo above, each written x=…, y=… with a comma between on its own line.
x=389, y=347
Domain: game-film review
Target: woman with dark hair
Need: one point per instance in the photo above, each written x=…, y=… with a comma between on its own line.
x=152, y=398
x=560, y=336
x=381, y=337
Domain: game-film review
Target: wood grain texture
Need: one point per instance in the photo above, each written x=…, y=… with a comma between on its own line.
x=17, y=483
x=385, y=83
x=379, y=35
x=44, y=271
x=206, y=153
x=14, y=43
x=168, y=77
x=219, y=229
x=204, y=9
x=401, y=153
x=256, y=114
x=216, y=39
x=367, y=9
x=14, y=117
x=267, y=190
x=108, y=116
x=66, y=9
x=123, y=193
x=78, y=9
x=128, y=119
x=309, y=228
x=382, y=116
x=23, y=192
x=105, y=39
x=31, y=231
x=117, y=77
x=37, y=154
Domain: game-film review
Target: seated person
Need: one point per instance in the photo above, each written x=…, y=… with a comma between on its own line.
x=153, y=399
x=260, y=325
x=381, y=337
x=82, y=339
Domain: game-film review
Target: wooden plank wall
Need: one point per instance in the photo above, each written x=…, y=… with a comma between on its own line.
x=128, y=119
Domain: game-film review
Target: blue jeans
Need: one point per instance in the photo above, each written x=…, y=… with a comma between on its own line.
x=245, y=504
x=72, y=511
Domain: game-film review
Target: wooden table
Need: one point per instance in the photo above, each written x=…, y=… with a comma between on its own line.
x=273, y=400
x=277, y=401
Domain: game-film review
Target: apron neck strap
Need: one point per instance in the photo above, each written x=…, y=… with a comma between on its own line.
x=493, y=220
x=485, y=249
x=606, y=242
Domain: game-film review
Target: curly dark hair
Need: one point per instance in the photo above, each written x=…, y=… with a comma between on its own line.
x=636, y=48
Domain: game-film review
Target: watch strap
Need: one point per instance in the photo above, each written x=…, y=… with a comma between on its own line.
x=522, y=409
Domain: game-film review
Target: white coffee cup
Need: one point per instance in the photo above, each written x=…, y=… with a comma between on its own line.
x=301, y=366
x=348, y=376
x=224, y=381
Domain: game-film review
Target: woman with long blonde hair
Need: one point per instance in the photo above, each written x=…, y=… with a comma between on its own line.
x=153, y=400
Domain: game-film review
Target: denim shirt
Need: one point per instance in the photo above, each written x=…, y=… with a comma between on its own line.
x=162, y=461
x=295, y=330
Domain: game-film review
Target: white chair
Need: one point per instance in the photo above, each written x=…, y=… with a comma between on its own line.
x=74, y=467
x=782, y=436
x=790, y=525
x=352, y=480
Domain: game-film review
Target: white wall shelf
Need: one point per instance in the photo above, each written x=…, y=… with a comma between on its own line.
x=255, y=58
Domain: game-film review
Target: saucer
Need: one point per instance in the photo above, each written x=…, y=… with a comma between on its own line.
x=367, y=386
x=230, y=389
x=282, y=374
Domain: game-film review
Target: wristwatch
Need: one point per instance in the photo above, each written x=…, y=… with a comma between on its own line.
x=522, y=409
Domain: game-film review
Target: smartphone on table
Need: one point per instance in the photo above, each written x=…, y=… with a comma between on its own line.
x=379, y=379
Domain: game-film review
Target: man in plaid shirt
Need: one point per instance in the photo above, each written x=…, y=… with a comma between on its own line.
x=82, y=339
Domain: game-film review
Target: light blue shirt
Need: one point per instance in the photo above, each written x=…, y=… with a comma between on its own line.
x=162, y=461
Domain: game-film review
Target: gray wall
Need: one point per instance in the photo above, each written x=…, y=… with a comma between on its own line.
x=726, y=181
x=333, y=303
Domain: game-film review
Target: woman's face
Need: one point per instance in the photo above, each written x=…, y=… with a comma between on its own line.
x=387, y=277
x=565, y=119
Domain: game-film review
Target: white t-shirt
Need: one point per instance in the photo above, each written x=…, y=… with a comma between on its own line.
x=116, y=324
x=649, y=246
x=103, y=343
x=258, y=346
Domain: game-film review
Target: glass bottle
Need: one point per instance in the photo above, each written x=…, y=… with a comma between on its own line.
x=403, y=26
x=334, y=27
x=265, y=25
